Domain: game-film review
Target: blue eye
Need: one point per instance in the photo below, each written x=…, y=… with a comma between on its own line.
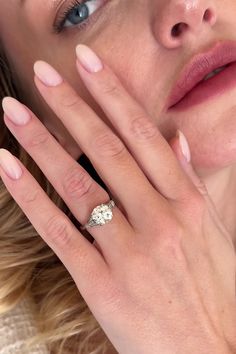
x=77, y=14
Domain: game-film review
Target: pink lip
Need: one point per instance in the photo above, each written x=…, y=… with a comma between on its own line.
x=190, y=88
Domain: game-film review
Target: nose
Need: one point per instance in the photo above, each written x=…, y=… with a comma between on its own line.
x=178, y=20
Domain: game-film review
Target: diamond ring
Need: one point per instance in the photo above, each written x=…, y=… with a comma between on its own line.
x=101, y=215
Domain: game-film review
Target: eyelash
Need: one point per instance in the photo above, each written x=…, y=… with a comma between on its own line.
x=58, y=26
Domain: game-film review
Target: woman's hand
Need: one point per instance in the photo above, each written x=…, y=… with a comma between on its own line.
x=161, y=277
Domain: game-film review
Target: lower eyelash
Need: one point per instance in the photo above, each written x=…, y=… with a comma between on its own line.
x=58, y=26
x=60, y=23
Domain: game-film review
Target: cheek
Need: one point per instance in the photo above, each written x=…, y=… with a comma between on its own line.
x=212, y=137
x=218, y=143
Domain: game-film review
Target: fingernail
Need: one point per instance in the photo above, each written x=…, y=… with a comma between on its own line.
x=47, y=74
x=15, y=111
x=184, y=145
x=88, y=59
x=10, y=165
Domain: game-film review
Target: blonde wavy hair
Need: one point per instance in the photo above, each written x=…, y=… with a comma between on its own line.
x=28, y=267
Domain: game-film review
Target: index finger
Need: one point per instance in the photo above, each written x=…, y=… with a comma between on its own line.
x=137, y=128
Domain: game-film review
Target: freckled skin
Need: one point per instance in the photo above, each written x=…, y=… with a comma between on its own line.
x=135, y=40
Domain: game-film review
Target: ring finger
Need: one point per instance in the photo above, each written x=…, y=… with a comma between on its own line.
x=72, y=182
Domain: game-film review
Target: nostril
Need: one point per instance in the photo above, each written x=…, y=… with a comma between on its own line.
x=207, y=15
x=178, y=29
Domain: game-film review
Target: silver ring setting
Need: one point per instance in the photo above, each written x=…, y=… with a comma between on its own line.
x=101, y=215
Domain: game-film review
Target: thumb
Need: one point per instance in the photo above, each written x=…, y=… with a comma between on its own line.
x=180, y=147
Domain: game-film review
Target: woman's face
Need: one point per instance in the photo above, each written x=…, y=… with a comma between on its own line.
x=136, y=38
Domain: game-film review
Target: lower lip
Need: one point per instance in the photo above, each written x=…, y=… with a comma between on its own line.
x=215, y=86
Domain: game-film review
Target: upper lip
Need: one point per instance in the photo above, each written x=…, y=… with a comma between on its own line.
x=221, y=54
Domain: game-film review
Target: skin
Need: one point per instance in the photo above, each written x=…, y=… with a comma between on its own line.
x=169, y=273
x=188, y=238
x=150, y=64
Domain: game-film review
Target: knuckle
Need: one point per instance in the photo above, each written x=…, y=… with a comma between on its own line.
x=192, y=207
x=30, y=197
x=110, y=88
x=142, y=128
x=109, y=145
x=172, y=241
x=70, y=101
x=38, y=140
x=58, y=230
x=77, y=183
x=201, y=187
x=195, y=202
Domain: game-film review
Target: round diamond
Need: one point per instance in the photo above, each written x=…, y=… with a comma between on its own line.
x=101, y=214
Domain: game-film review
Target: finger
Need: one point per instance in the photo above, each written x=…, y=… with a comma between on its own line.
x=137, y=129
x=176, y=146
x=72, y=182
x=104, y=149
x=84, y=262
x=180, y=146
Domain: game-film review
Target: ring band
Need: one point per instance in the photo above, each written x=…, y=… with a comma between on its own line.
x=101, y=215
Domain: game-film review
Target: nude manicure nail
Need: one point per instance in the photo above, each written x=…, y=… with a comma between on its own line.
x=47, y=74
x=15, y=111
x=88, y=59
x=184, y=145
x=10, y=165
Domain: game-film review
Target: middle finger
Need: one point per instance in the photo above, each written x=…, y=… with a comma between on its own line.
x=106, y=151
